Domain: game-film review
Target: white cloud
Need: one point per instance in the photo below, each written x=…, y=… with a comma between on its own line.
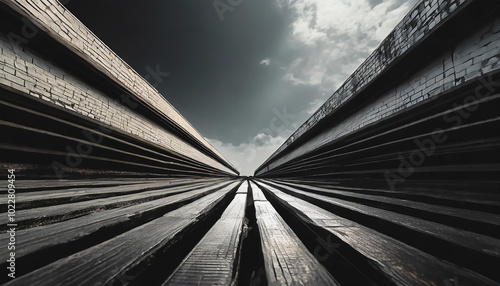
x=331, y=39
x=334, y=37
x=248, y=156
x=314, y=105
x=295, y=81
x=265, y=62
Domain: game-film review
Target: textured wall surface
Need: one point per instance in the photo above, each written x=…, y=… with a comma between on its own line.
x=25, y=72
x=472, y=57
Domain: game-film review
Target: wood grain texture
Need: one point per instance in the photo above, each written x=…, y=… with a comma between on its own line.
x=287, y=261
x=436, y=213
x=257, y=194
x=105, y=261
x=58, y=212
x=39, y=238
x=403, y=264
x=487, y=245
x=214, y=258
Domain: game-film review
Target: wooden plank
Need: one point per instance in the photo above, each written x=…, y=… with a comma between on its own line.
x=243, y=189
x=52, y=197
x=403, y=264
x=257, y=193
x=488, y=246
x=38, y=185
x=452, y=192
x=287, y=261
x=108, y=260
x=40, y=133
x=213, y=260
x=458, y=214
x=430, y=191
x=316, y=148
x=42, y=237
x=157, y=169
x=35, y=216
x=373, y=155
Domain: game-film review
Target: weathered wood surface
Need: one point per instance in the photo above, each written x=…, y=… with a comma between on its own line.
x=287, y=261
x=71, y=230
x=38, y=185
x=484, y=244
x=464, y=154
x=257, y=194
x=214, y=259
x=59, y=212
x=319, y=234
x=132, y=152
x=108, y=260
x=481, y=222
x=50, y=198
x=402, y=263
x=442, y=192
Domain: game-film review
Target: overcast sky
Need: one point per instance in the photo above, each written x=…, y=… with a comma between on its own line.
x=245, y=73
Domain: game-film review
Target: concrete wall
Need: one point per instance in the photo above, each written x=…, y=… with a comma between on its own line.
x=472, y=57
x=22, y=71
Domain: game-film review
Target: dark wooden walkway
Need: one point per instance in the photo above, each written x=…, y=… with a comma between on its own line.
x=240, y=232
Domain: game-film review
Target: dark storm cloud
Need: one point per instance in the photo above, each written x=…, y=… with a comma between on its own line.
x=216, y=80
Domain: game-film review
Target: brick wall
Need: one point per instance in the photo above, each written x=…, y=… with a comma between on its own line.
x=414, y=26
x=472, y=57
x=23, y=71
x=52, y=17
